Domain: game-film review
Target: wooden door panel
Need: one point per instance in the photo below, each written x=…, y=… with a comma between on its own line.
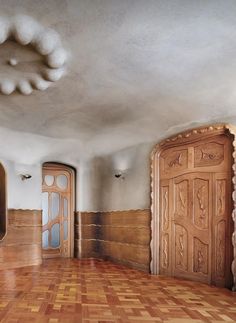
x=220, y=249
x=181, y=197
x=180, y=238
x=165, y=225
x=201, y=203
x=195, y=209
x=204, y=234
x=174, y=161
x=222, y=230
x=208, y=154
x=181, y=251
x=213, y=154
x=201, y=253
x=191, y=226
x=57, y=210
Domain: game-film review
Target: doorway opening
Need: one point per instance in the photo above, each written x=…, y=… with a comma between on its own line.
x=58, y=205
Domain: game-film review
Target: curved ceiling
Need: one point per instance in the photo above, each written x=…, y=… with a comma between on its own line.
x=138, y=70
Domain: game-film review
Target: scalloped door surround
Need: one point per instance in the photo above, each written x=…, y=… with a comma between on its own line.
x=195, y=210
x=57, y=217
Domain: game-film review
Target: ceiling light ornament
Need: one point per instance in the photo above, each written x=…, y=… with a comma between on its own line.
x=26, y=31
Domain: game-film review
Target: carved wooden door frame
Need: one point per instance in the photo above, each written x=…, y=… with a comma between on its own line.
x=54, y=166
x=176, y=140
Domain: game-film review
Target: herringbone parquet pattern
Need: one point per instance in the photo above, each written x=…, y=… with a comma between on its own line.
x=97, y=291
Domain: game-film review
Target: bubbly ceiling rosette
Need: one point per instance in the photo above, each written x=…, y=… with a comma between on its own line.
x=26, y=31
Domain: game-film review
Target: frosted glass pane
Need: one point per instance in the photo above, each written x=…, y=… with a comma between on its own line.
x=65, y=229
x=49, y=179
x=45, y=239
x=55, y=234
x=65, y=204
x=62, y=181
x=55, y=200
x=45, y=207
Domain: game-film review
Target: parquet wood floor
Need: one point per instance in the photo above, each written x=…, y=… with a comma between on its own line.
x=89, y=291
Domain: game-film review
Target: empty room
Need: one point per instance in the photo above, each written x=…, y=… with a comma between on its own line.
x=117, y=161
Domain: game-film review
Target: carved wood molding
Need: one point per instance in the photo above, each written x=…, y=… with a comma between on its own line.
x=190, y=135
x=173, y=141
x=232, y=131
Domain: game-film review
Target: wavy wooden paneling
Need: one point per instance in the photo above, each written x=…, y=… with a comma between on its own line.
x=86, y=235
x=22, y=244
x=127, y=234
x=128, y=218
x=120, y=236
x=125, y=237
x=24, y=217
x=22, y=235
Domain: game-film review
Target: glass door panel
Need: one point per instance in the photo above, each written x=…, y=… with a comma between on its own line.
x=45, y=207
x=45, y=239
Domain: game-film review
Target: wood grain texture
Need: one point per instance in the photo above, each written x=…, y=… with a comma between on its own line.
x=25, y=218
x=86, y=234
x=121, y=236
x=125, y=234
x=58, y=210
x=22, y=244
x=192, y=205
x=87, y=218
x=125, y=237
x=92, y=291
x=127, y=218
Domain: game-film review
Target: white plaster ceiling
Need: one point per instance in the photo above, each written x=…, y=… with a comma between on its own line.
x=138, y=70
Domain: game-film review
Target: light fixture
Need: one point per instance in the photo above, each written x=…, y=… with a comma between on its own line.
x=120, y=174
x=25, y=176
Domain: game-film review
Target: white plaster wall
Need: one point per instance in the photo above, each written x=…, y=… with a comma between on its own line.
x=97, y=189
x=23, y=194
x=27, y=194
x=89, y=185
x=132, y=192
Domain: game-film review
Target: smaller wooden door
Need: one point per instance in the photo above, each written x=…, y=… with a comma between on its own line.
x=57, y=205
x=192, y=218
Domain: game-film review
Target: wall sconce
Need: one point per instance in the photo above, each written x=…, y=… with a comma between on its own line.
x=120, y=174
x=25, y=176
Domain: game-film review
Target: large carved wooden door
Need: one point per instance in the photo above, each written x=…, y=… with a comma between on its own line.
x=195, y=211
x=57, y=205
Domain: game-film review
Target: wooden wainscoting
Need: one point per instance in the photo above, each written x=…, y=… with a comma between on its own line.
x=120, y=236
x=125, y=237
x=86, y=234
x=22, y=244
